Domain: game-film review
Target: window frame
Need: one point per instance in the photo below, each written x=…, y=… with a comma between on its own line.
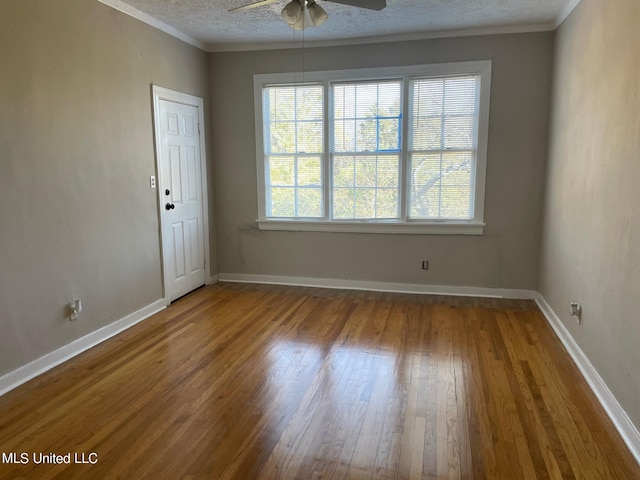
x=297, y=155
x=403, y=225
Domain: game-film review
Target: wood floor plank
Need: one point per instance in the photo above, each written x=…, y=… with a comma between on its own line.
x=240, y=381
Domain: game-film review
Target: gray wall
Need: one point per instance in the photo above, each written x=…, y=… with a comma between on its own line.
x=506, y=256
x=591, y=240
x=77, y=216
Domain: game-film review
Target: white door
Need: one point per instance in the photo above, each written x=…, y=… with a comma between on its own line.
x=182, y=199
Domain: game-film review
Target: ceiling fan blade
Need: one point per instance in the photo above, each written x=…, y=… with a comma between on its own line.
x=252, y=5
x=368, y=4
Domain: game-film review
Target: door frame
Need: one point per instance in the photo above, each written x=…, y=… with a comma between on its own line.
x=159, y=94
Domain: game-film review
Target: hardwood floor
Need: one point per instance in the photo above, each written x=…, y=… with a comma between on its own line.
x=267, y=382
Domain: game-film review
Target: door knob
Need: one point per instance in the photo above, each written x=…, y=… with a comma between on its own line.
x=169, y=206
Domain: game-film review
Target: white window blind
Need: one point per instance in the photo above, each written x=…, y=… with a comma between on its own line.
x=293, y=146
x=443, y=132
x=366, y=150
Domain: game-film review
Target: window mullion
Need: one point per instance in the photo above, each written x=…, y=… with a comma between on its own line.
x=375, y=197
x=442, y=142
x=295, y=154
x=355, y=183
x=403, y=179
x=296, y=191
x=327, y=122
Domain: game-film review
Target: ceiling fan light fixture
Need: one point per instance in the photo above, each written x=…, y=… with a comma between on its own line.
x=317, y=14
x=302, y=22
x=292, y=12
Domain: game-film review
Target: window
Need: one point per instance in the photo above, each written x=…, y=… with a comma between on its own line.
x=366, y=150
x=442, y=146
x=399, y=150
x=293, y=132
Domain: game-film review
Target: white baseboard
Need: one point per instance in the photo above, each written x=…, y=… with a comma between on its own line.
x=25, y=373
x=618, y=416
x=379, y=286
x=213, y=279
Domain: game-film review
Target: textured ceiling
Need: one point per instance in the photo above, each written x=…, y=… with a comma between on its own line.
x=209, y=22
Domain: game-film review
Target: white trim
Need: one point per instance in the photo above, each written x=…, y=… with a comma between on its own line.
x=412, y=228
x=618, y=416
x=213, y=279
x=341, y=284
x=406, y=37
x=261, y=174
x=482, y=147
x=161, y=93
x=568, y=10
x=25, y=373
x=154, y=22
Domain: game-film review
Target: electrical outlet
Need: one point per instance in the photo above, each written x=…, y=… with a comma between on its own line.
x=575, y=310
x=425, y=265
x=75, y=308
x=152, y=181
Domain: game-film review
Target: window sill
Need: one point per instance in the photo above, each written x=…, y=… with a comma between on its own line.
x=408, y=228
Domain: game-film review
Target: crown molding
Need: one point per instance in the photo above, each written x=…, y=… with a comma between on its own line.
x=280, y=45
x=408, y=37
x=149, y=20
x=566, y=12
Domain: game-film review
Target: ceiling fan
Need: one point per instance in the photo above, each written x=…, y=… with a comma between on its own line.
x=300, y=14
